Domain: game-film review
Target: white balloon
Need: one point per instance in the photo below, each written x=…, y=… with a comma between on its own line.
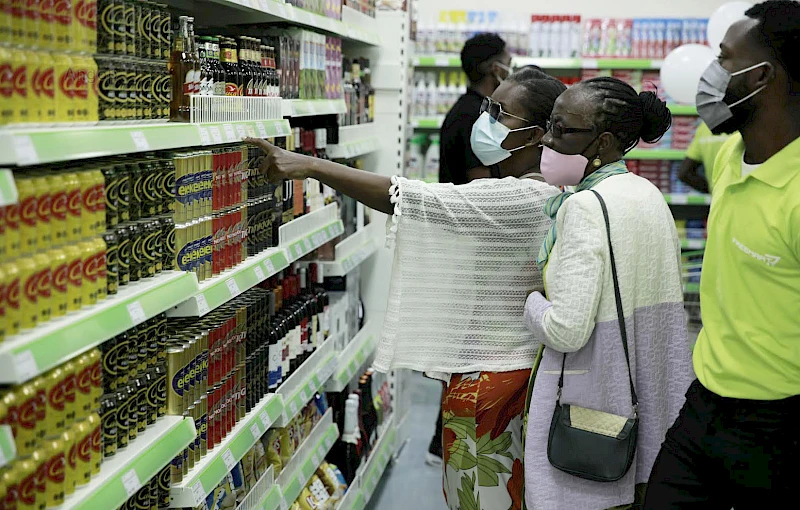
x=681, y=71
x=721, y=21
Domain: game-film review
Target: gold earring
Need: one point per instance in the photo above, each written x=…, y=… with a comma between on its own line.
x=596, y=162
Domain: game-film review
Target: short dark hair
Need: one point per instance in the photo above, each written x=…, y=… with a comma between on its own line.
x=780, y=33
x=626, y=114
x=541, y=92
x=477, y=52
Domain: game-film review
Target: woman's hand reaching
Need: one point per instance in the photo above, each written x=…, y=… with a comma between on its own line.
x=280, y=164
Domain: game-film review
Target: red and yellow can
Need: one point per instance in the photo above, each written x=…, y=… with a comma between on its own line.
x=70, y=369
x=74, y=206
x=83, y=441
x=44, y=286
x=20, y=87
x=60, y=269
x=55, y=470
x=12, y=241
x=28, y=490
x=102, y=271
x=65, y=88
x=58, y=208
x=11, y=298
x=96, y=426
x=74, y=277
x=27, y=403
x=40, y=384
x=71, y=454
x=10, y=479
x=56, y=401
x=89, y=276
x=28, y=236
x=29, y=293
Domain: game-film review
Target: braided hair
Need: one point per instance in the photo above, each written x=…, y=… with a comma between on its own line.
x=541, y=92
x=627, y=115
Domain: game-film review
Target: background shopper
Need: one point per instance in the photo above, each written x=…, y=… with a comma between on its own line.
x=698, y=164
x=593, y=125
x=735, y=442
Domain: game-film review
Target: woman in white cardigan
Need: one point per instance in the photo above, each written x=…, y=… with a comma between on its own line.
x=592, y=126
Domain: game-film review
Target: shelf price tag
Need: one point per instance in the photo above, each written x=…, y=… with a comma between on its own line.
x=332, y=231
x=312, y=107
x=328, y=442
x=269, y=266
x=25, y=364
x=136, y=313
x=130, y=481
x=293, y=408
x=215, y=134
x=227, y=458
x=255, y=431
x=26, y=151
x=264, y=417
x=298, y=250
x=307, y=244
x=242, y=130
x=262, y=130
x=139, y=141
x=199, y=493
x=315, y=459
x=202, y=304
x=304, y=395
x=205, y=139
x=229, y=133
x=233, y=287
x=260, y=273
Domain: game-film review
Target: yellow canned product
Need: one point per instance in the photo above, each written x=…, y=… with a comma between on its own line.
x=87, y=216
x=44, y=286
x=12, y=239
x=96, y=426
x=35, y=111
x=53, y=450
x=63, y=24
x=4, y=282
x=17, y=15
x=6, y=21
x=28, y=237
x=58, y=208
x=29, y=293
x=96, y=201
x=85, y=96
x=96, y=360
x=77, y=28
x=70, y=369
x=6, y=86
x=102, y=272
x=74, y=277
x=45, y=81
x=83, y=386
x=74, y=207
x=30, y=23
x=44, y=207
x=20, y=86
x=83, y=441
x=27, y=404
x=47, y=29
x=40, y=458
x=66, y=78
x=12, y=298
x=93, y=103
x=40, y=383
x=28, y=490
x=60, y=269
x=89, y=276
x=71, y=466
x=10, y=479
x=56, y=401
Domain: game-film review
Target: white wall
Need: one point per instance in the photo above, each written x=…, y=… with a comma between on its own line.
x=429, y=9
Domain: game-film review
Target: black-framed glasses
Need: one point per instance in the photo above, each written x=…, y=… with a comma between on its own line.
x=495, y=110
x=558, y=130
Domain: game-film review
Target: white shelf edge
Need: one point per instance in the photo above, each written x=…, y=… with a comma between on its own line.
x=304, y=378
x=367, y=334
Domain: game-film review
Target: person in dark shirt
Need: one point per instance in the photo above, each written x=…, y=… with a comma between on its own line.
x=486, y=62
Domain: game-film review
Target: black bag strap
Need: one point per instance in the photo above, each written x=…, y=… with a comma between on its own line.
x=620, y=313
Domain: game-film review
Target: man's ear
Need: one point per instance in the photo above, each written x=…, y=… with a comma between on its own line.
x=535, y=137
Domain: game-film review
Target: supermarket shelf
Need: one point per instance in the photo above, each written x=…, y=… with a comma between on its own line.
x=309, y=107
x=265, y=494
x=370, y=473
x=8, y=188
x=440, y=60
x=222, y=288
x=687, y=199
x=351, y=252
x=452, y=60
x=309, y=232
x=354, y=141
x=33, y=146
x=307, y=458
x=427, y=122
x=669, y=154
x=693, y=244
x=218, y=462
x=308, y=379
x=35, y=351
x=122, y=475
x=691, y=288
x=682, y=109
x=352, y=358
x=8, y=449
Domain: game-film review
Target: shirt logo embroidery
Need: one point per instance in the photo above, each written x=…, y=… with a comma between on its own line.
x=770, y=260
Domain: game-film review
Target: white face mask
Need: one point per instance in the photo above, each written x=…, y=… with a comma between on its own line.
x=504, y=68
x=711, y=90
x=487, y=139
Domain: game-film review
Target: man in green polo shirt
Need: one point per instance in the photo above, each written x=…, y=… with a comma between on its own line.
x=736, y=442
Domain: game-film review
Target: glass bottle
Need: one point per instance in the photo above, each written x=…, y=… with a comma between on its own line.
x=182, y=71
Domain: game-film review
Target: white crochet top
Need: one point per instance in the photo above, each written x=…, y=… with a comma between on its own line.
x=465, y=260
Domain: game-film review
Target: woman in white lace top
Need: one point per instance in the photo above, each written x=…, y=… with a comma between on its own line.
x=465, y=259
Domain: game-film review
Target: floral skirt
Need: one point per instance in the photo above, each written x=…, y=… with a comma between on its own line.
x=482, y=440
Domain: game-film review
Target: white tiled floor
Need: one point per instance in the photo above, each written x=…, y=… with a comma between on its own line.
x=410, y=484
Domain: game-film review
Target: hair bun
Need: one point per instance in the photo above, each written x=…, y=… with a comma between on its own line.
x=656, y=117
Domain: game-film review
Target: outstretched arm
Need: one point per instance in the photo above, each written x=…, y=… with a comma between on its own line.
x=370, y=189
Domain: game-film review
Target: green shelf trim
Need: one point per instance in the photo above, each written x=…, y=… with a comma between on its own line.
x=310, y=242
x=273, y=499
x=8, y=188
x=687, y=199
x=307, y=107
x=35, y=351
x=437, y=61
x=668, y=154
x=315, y=457
x=381, y=459
x=307, y=390
x=693, y=244
x=8, y=448
x=625, y=63
x=347, y=369
x=218, y=463
x=169, y=436
x=692, y=288
x=682, y=109
x=433, y=123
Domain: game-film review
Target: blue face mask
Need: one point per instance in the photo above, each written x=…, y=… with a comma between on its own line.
x=487, y=139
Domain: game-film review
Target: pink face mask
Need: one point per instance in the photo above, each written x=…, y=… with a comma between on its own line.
x=562, y=169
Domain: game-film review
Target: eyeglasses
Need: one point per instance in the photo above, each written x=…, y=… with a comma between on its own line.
x=558, y=130
x=495, y=109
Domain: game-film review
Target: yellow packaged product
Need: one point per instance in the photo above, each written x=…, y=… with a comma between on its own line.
x=287, y=444
x=272, y=446
x=259, y=460
x=307, y=501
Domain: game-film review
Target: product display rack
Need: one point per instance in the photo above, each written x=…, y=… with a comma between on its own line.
x=307, y=380
x=351, y=252
x=354, y=141
x=122, y=475
x=452, y=60
x=353, y=357
x=309, y=107
x=264, y=495
x=8, y=449
x=8, y=190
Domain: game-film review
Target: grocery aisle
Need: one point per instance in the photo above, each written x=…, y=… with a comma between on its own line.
x=409, y=483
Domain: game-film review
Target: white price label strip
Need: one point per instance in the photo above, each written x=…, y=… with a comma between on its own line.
x=205, y=139
x=307, y=244
x=304, y=395
x=130, y=481
x=199, y=493
x=230, y=134
x=269, y=266
x=227, y=458
x=26, y=151
x=202, y=304
x=315, y=459
x=140, y=141
x=293, y=408
x=262, y=131
x=136, y=313
x=233, y=287
x=240, y=128
x=255, y=431
x=216, y=136
x=264, y=419
x=260, y=273
x=328, y=442
x=25, y=364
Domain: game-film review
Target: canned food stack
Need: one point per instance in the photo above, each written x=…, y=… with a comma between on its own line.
x=264, y=216
x=133, y=46
x=153, y=494
x=57, y=431
x=54, y=260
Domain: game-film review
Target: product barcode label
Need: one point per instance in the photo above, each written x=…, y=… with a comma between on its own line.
x=227, y=458
x=136, y=313
x=264, y=419
x=262, y=130
x=230, y=134
x=202, y=304
x=199, y=493
x=298, y=250
x=269, y=266
x=216, y=136
x=304, y=395
x=139, y=141
x=332, y=231
x=293, y=408
x=130, y=481
x=307, y=244
x=233, y=287
x=204, y=138
x=240, y=128
x=26, y=151
x=315, y=459
x=255, y=431
x=260, y=273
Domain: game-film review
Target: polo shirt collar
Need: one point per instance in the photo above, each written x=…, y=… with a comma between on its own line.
x=778, y=170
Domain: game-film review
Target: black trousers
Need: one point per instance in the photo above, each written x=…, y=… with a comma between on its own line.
x=724, y=453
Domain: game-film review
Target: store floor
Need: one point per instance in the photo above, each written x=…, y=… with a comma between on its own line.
x=409, y=483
